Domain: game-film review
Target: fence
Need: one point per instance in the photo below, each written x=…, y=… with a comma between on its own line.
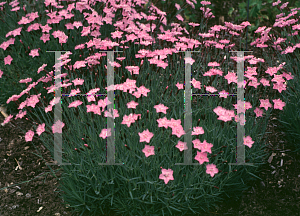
x=187, y=116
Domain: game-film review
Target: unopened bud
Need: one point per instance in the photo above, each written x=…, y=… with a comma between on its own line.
x=86, y=145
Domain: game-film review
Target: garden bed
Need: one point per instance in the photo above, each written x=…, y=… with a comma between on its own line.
x=276, y=194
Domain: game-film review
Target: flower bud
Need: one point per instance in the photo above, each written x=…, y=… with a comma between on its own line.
x=198, y=122
x=86, y=145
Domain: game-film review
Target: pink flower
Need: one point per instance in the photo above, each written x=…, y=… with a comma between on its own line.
x=34, y=52
x=132, y=104
x=15, y=32
x=45, y=37
x=248, y=141
x=21, y=114
x=211, y=169
x=33, y=100
x=7, y=60
x=178, y=131
x=167, y=175
x=177, y=6
x=231, y=77
x=78, y=81
x=1, y=72
x=74, y=92
x=210, y=89
x=223, y=94
x=219, y=46
x=128, y=120
x=114, y=64
x=54, y=101
x=77, y=24
x=197, y=131
x=181, y=146
x=4, y=45
x=7, y=119
x=279, y=87
x=115, y=114
x=143, y=90
x=145, y=136
x=105, y=133
x=85, y=31
x=134, y=69
x=179, y=17
x=205, y=2
x=75, y=103
x=93, y=91
x=164, y=122
x=284, y=5
x=69, y=26
x=103, y=103
x=40, y=129
x=265, y=103
x=265, y=82
x=179, y=86
x=27, y=80
x=240, y=106
x=46, y=28
x=29, y=135
x=189, y=60
x=93, y=108
x=48, y=108
x=276, y=3
x=34, y=26
x=213, y=64
x=161, y=108
x=206, y=147
x=194, y=24
x=174, y=123
x=148, y=150
x=57, y=127
x=24, y=21
x=241, y=119
x=271, y=70
x=196, y=84
x=13, y=98
x=201, y=157
x=79, y=64
x=258, y=112
x=116, y=34
x=137, y=94
x=278, y=104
